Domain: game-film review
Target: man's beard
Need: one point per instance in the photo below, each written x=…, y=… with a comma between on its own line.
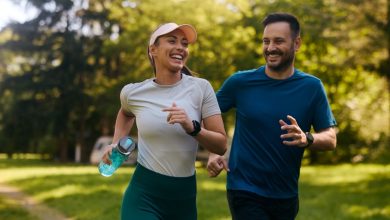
x=285, y=62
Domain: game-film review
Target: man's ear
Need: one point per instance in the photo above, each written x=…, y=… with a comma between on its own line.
x=297, y=43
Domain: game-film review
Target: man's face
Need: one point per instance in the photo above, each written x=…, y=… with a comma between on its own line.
x=278, y=46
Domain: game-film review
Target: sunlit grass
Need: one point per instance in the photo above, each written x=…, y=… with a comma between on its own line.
x=345, y=192
x=326, y=192
x=10, y=210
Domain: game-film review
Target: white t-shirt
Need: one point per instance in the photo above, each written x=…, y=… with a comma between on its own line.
x=164, y=148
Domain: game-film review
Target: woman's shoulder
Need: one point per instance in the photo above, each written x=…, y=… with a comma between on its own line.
x=197, y=80
x=135, y=86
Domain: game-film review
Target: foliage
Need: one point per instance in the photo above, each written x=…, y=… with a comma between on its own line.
x=61, y=72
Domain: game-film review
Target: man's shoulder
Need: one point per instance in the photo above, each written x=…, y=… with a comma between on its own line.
x=307, y=76
x=250, y=71
x=244, y=74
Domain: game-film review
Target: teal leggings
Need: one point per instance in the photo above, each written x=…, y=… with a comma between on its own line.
x=153, y=196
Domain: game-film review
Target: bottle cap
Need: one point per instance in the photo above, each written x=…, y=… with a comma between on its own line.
x=126, y=145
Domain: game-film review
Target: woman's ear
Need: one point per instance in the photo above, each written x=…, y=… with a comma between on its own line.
x=152, y=50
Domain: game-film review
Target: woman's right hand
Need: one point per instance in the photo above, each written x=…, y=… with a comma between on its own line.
x=107, y=153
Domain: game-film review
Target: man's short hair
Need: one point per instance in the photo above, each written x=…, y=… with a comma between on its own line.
x=284, y=17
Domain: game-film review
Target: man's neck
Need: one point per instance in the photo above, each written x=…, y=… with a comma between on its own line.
x=282, y=74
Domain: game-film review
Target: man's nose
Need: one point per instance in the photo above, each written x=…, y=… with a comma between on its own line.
x=271, y=46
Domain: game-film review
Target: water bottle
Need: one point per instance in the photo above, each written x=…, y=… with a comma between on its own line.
x=119, y=154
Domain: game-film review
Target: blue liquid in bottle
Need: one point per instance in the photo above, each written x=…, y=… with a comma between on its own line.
x=119, y=154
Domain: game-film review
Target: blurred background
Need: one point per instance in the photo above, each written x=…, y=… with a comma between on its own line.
x=63, y=64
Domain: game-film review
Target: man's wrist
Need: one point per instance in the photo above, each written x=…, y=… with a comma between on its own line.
x=309, y=139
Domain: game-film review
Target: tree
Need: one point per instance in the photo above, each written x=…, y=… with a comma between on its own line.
x=52, y=85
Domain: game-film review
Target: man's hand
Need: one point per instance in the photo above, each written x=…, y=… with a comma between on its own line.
x=216, y=164
x=294, y=133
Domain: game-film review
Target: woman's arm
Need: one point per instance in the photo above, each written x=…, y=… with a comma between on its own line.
x=123, y=124
x=212, y=136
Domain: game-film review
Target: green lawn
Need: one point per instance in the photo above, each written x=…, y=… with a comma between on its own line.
x=326, y=192
x=10, y=210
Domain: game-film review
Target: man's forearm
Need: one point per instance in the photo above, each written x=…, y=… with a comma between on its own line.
x=324, y=140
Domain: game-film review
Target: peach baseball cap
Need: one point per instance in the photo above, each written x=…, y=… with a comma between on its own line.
x=187, y=29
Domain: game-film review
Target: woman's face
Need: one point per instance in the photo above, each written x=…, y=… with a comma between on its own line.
x=170, y=51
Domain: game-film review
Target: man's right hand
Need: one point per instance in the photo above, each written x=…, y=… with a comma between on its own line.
x=216, y=164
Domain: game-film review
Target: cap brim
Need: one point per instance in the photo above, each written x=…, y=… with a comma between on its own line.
x=189, y=32
x=187, y=29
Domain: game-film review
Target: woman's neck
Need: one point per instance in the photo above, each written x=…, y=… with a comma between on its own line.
x=167, y=77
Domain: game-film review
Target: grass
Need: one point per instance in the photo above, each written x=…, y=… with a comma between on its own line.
x=326, y=192
x=11, y=211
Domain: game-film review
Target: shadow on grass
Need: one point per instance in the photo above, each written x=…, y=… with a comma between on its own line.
x=82, y=196
x=367, y=199
x=19, y=163
x=91, y=196
x=339, y=192
x=11, y=211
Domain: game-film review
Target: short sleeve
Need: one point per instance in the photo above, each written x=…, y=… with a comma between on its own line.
x=124, y=98
x=209, y=105
x=225, y=95
x=323, y=117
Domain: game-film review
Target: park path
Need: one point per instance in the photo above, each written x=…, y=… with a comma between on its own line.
x=30, y=204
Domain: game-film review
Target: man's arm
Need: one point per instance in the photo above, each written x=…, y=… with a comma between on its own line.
x=324, y=140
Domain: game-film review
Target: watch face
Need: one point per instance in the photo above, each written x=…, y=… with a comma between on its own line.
x=309, y=138
x=197, y=128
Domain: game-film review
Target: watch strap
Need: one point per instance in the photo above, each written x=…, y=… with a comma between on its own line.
x=309, y=138
x=197, y=128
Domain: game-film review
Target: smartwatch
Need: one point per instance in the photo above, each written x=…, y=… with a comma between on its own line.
x=309, y=138
x=197, y=128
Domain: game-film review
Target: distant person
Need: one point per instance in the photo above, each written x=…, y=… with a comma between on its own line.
x=169, y=110
x=276, y=106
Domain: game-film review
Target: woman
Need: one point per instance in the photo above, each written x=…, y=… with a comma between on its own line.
x=169, y=110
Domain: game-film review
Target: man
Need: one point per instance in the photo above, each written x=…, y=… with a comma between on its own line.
x=276, y=106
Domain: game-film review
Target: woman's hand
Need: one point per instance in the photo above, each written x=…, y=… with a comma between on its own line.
x=107, y=153
x=179, y=115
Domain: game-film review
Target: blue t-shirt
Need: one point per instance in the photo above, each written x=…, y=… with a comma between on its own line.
x=258, y=161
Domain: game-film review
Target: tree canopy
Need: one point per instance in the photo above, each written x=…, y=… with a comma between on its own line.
x=61, y=72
